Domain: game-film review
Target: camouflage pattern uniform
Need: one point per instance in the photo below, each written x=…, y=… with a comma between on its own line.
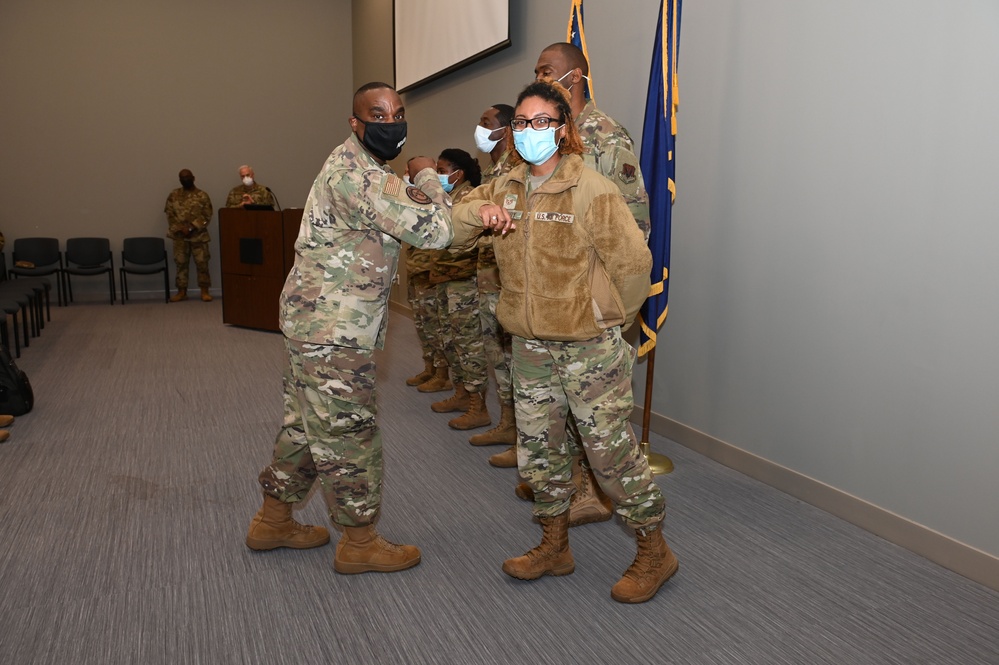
x=460, y=330
x=333, y=312
x=189, y=212
x=611, y=153
x=596, y=376
x=260, y=195
x=423, y=301
x=564, y=368
x=496, y=342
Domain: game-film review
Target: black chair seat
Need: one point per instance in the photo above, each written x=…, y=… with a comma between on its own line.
x=88, y=257
x=144, y=256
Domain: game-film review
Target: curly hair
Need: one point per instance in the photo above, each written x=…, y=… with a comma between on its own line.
x=462, y=160
x=554, y=93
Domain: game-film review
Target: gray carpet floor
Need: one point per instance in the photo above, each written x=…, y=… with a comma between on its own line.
x=128, y=490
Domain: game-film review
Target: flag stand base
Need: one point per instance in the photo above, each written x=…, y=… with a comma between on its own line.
x=658, y=464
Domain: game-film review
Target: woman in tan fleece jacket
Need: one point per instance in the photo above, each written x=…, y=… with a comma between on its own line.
x=575, y=270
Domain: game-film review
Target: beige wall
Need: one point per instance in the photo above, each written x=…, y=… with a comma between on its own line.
x=103, y=103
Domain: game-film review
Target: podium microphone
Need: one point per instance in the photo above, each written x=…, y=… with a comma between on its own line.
x=273, y=196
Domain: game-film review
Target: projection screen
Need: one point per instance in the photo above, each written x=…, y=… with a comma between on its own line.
x=436, y=37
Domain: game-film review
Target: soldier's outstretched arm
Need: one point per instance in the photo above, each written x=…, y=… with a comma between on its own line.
x=419, y=214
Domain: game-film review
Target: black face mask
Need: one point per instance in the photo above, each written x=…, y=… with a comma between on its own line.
x=384, y=139
x=187, y=183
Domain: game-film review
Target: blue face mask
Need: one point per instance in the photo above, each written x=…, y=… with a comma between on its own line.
x=445, y=182
x=536, y=145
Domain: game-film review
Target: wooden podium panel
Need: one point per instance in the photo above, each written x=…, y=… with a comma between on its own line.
x=256, y=257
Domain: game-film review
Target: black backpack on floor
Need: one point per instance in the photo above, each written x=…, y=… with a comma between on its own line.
x=16, y=397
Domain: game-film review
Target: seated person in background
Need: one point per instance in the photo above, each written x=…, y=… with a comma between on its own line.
x=250, y=192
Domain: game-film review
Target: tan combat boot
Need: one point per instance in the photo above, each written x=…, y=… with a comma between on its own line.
x=477, y=414
x=362, y=550
x=459, y=401
x=589, y=503
x=504, y=432
x=437, y=383
x=424, y=376
x=524, y=491
x=654, y=564
x=506, y=460
x=4, y=435
x=273, y=527
x=180, y=295
x=6, y=420
x=552, y=557
x=206, y=296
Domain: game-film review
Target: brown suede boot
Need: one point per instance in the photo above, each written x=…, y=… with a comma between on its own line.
x=437, y=383
x=654, y=564
x=180, y=295
x=6, y=420
x=552, y=557
x=524, y=491
x=273, y=527
x=589, y=503
x=506, y=460
x=505, y=432
x=361, y=550
x=424, y=376
x=459, y=401
x=477, y=414
x=206, y=295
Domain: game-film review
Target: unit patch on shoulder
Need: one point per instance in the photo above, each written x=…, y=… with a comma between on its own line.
x=560, y=217
x=417, y=195
x=628, y=173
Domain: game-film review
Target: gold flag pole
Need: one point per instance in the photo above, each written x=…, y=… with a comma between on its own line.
x=659, y=464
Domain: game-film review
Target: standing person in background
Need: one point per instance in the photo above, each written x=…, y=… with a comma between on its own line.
x=334, y=315
x=422, y=299
x=609, y=150
x=250, y=192
x=452, y=274
x=491, y=136
x=575, y=270
x=189, y=211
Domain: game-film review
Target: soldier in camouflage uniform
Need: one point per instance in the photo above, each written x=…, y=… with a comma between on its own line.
x=250, y=192
x=423, y=301
x=333, y=312
x=609, y=150
x=575, y=271
x=189, y=211
x=491, y=136
x=453, y=275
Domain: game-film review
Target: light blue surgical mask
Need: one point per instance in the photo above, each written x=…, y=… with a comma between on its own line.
x=536, y=145
x=445, y=179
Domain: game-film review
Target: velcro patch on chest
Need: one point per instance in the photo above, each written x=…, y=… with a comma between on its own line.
x=559, y=217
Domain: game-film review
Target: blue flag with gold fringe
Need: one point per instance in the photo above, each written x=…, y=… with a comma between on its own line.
x=575, y=36
x=658, y=168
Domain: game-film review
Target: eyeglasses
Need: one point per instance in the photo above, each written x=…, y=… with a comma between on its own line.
x=541, y=122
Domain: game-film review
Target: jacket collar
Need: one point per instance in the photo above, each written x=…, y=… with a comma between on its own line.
x=364, y=158
x=566, y=175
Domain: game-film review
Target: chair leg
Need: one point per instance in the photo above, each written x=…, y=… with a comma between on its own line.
x=17, y=341
x=24, y=323
x=111, y=286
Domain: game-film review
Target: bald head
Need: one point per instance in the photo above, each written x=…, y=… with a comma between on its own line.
x=186, y=178
x=571, y=56
x=363, y=94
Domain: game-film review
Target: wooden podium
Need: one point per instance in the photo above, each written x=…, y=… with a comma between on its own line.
x=258, y=251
